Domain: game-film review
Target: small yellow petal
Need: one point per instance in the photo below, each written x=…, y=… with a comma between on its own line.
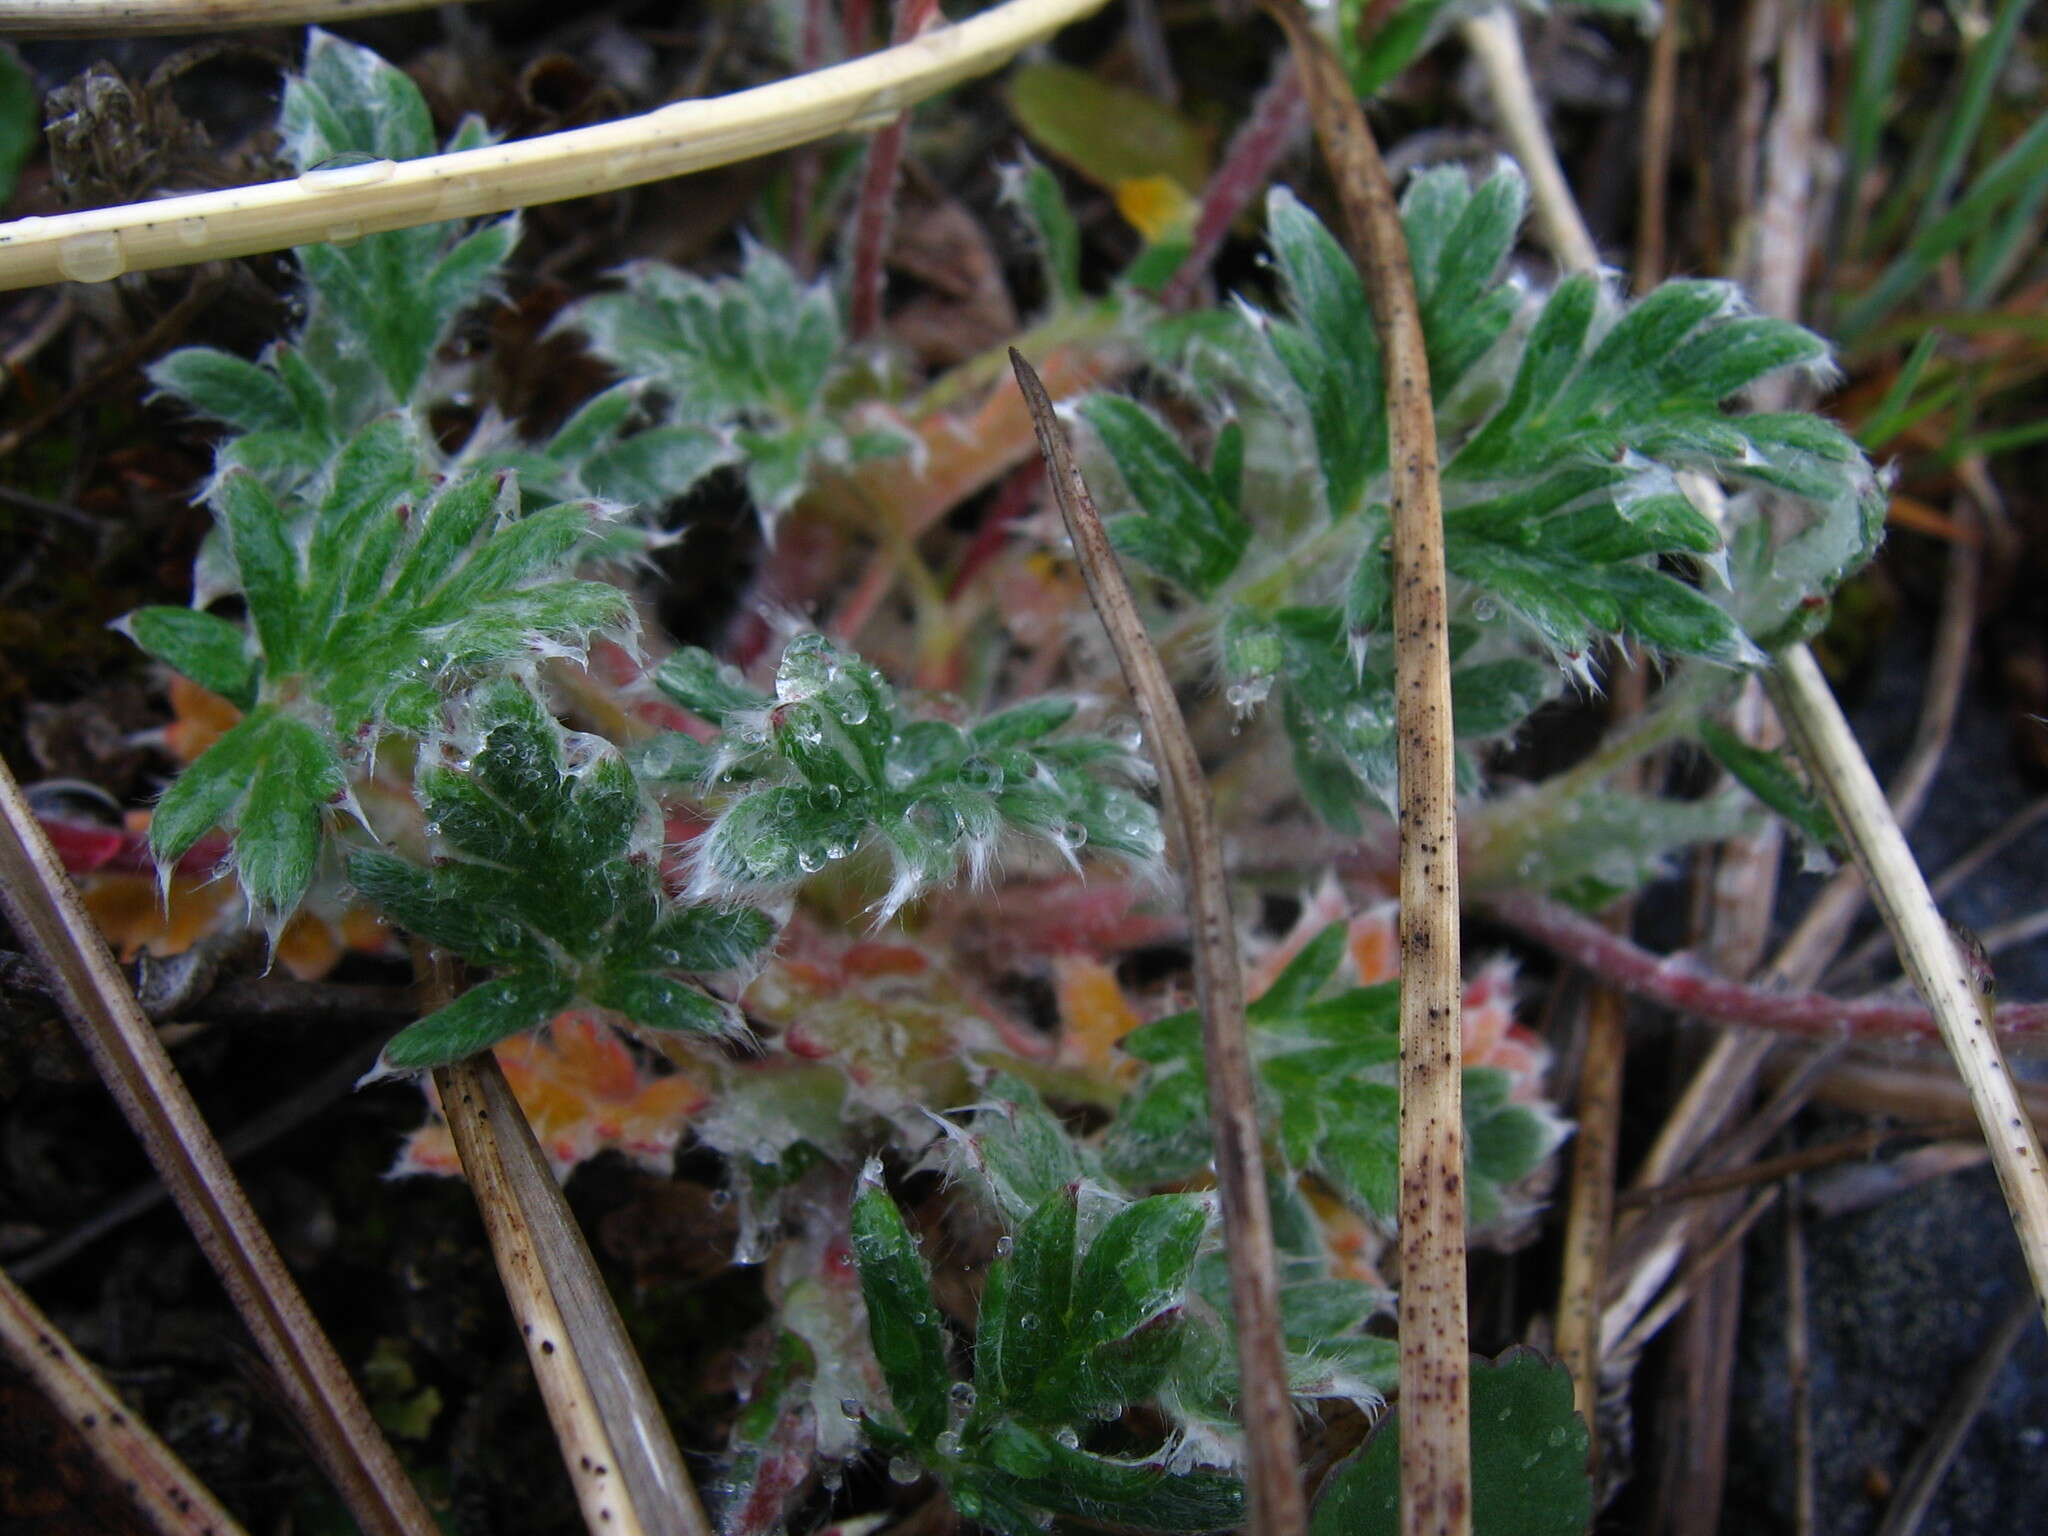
x=1156, y=206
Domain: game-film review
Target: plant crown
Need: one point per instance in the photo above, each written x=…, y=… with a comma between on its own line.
x=402, y=604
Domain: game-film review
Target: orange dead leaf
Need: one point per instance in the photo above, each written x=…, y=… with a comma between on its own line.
x=1094, y=1016
x=135, y=919
x=584, y=1092
x=1354, y=1244
x=198, y=719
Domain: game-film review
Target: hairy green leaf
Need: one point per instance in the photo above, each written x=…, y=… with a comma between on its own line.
x=831, y=769
x=1189, y=531
x=1022, y=1335
x=903, y=1318
x=544, y=870
x=210, y=651
x=372, y=583
x=1033, y=190
x=1326, y=1074
x=488, y=1012
x=747, y=366
x=1772, y=779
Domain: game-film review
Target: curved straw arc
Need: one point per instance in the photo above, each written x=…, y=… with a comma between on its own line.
x=348, y=202
x=99, y=18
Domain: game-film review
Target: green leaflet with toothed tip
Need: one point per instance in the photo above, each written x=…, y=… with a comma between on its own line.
x=547, y=878
x=1564, y=425
x=831, y=767
x=1074, y=1325
x=365, y=596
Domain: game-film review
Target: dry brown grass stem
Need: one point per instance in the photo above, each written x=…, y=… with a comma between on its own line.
x=1495, y=40
x=1698, y=1272
x=615, y=1441
x=1436, y=1466
x=1932, y=1092
x=1660, y=98
x=1277, y=1505
x=165, y=1495
x=51, y=921
x=1589, y=1218
x=1858, y=1144
x=1589, y=1215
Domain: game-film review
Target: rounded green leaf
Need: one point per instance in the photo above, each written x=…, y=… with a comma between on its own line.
x=1529, y=1473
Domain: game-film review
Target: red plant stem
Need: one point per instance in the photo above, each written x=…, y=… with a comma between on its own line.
x=1675, y=982
x=1013, y=499
x=1278, y=118
x=855, y=20
x=803, y=165
x=873, y=214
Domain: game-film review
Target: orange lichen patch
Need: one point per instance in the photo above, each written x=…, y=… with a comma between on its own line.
x=136, y=920
x=584, y=1092
x=893, y=1019
x=1094, y=1016
x=430, y=1149
x=198, y=719
x=364, y=931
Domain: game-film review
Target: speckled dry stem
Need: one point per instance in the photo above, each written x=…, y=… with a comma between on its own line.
x=166, y=1497
x=1435, y=1409
x=1277, y=1504
x=50, y=919
x=615, y=1441
x=1589, y=1218
x=572, y=1409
